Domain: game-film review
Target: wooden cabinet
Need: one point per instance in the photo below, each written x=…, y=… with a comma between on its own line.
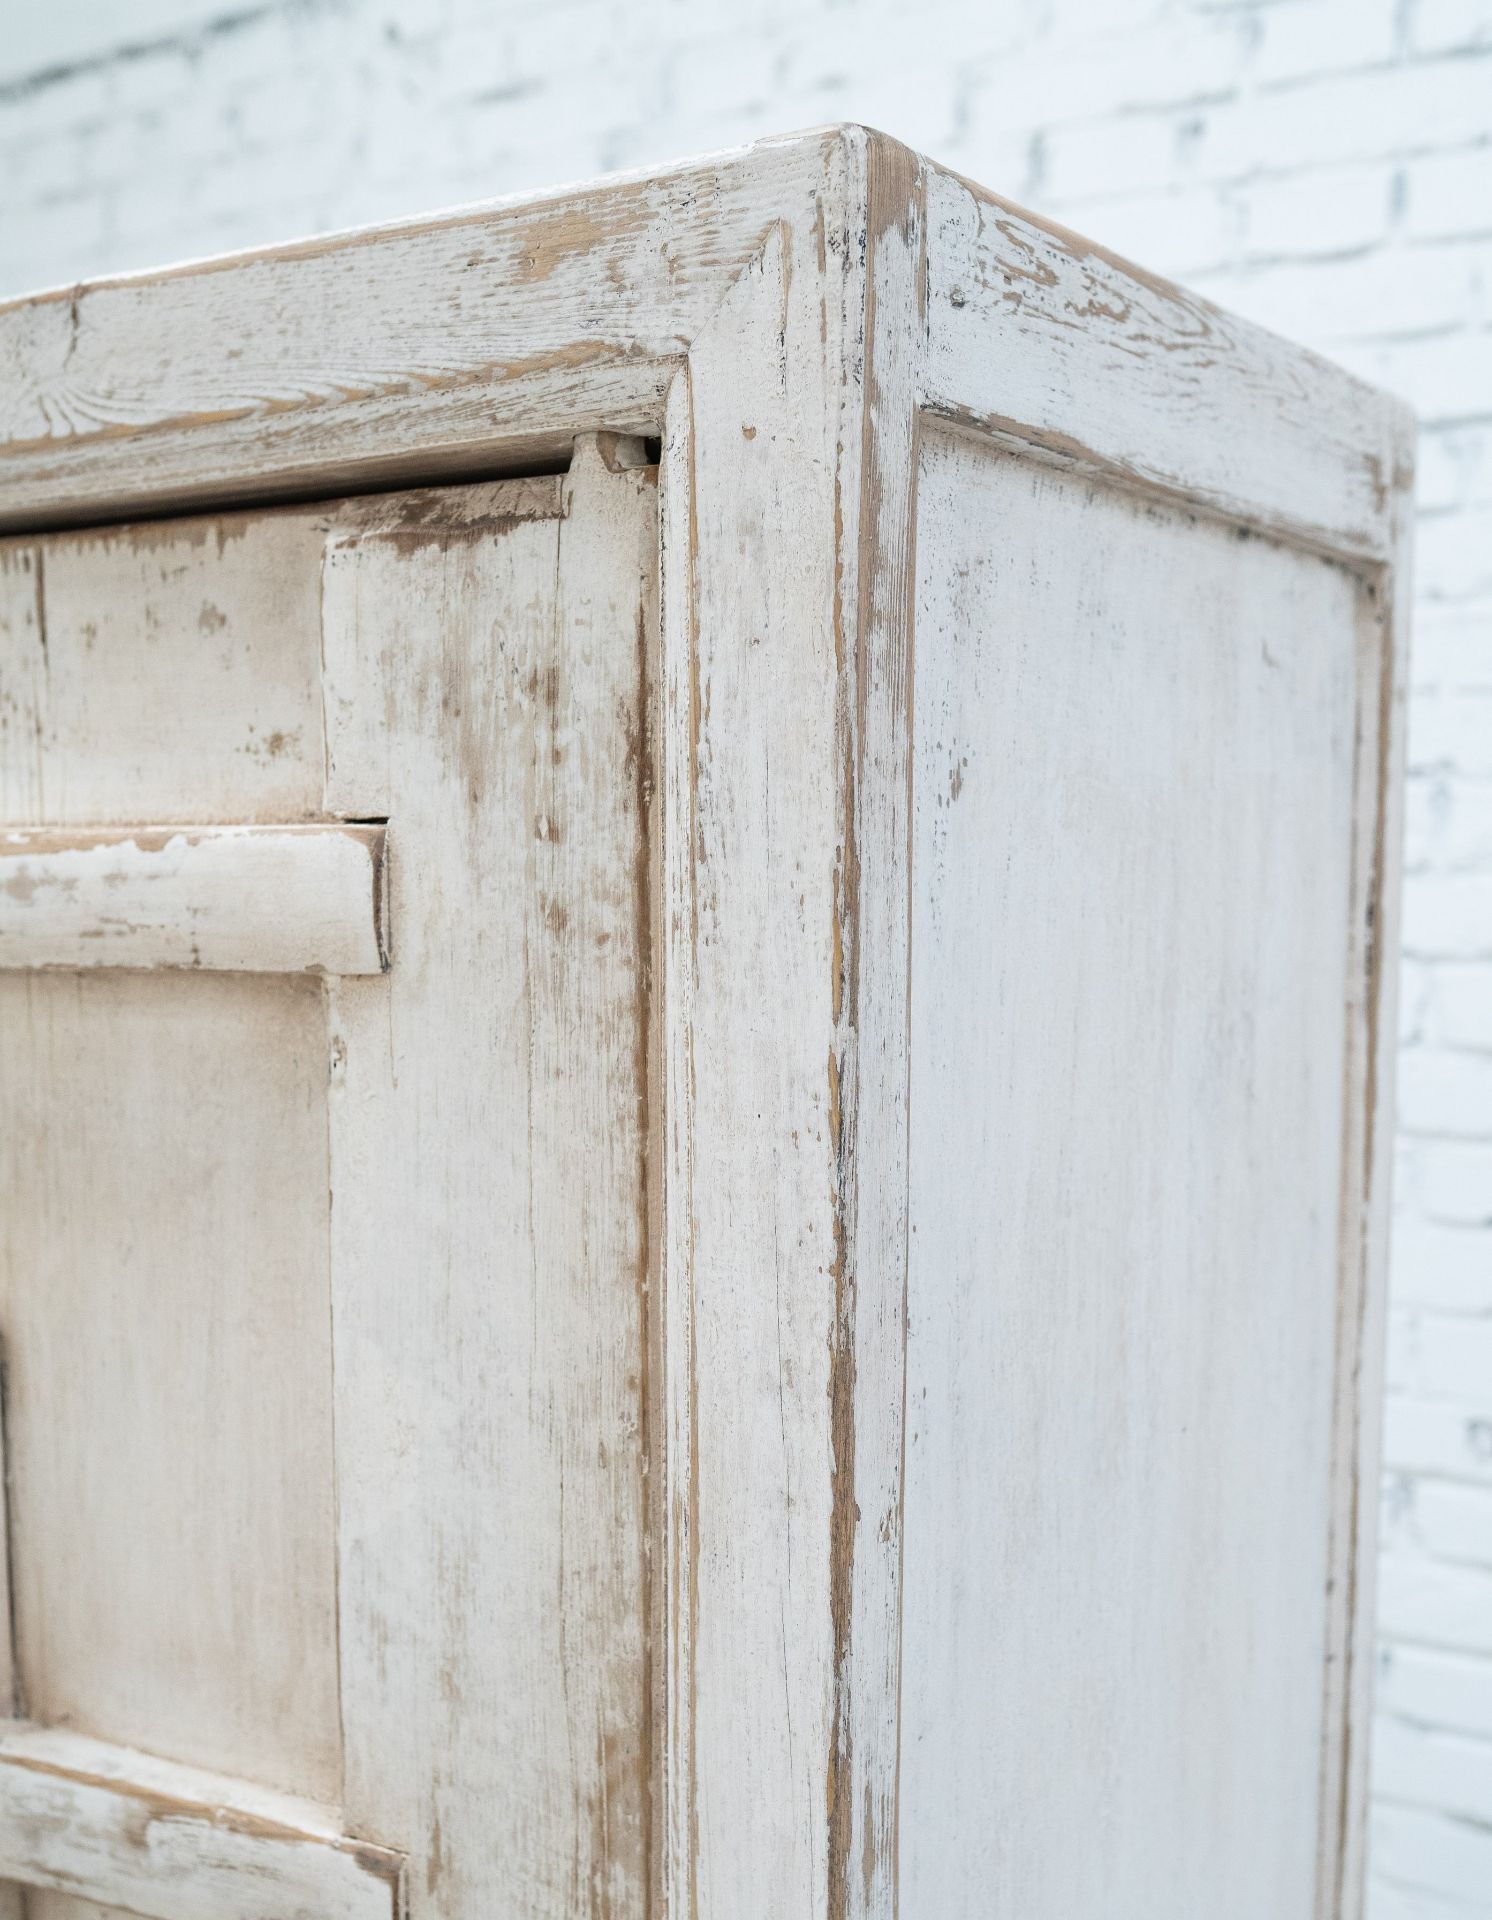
x=697, y=896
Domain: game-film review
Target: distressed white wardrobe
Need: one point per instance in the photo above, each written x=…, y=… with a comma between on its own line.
x=697, y=895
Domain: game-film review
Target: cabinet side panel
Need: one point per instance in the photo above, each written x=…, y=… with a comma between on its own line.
x=1133, y=797
x=485, y=684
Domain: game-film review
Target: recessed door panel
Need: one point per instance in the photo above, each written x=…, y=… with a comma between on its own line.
x=167, y=1320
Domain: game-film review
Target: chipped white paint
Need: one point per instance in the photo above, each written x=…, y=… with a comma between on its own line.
x=104, y=1824
x=1148, y=378
x=487, y=1117
x=237, y=899
x=629, y=1170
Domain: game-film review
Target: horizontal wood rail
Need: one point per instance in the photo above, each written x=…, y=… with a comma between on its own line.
x=245, y=899
x=102, y=1823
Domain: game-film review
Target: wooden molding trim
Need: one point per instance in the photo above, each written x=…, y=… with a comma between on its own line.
x=250, y=899
x=102, y=1823
x=482, y=341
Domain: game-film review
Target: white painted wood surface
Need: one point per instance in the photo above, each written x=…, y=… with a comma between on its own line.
x=237, y=899
x=633, y=1214
x=485, y=657
x=751, y=790
x=1128, y=946
x=1151, y=383
x=488, y=1231
x=163, y=674
x=164, y=1292
x=102, y=1824
x=523, y=322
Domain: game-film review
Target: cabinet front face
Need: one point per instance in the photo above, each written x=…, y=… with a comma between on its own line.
x=324, y=1073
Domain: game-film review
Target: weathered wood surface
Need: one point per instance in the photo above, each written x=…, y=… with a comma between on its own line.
x=486, y=653
x=163, y=1269
x=102, y=1824
x=236, y=899
x=522, y=322
x=735, y=1129
x=1134, y=859
x=430, y=347
x=489, y=1112
x=1366, y=1196
x=751, y=686
x=1042, y=339
x=164, y=1292
x=163, y=672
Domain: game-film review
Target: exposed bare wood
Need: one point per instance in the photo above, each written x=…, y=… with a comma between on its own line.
x=753, y=626
x=1043, y=340
x=155, y=673
x=104, y=1824
x=487, y=1121
x=511, y=326
x=235, y=899
x=872, y=1036
x=170, y=1429
x=796, y=1282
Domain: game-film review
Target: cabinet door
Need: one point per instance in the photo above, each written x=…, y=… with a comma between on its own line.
x=324, y=949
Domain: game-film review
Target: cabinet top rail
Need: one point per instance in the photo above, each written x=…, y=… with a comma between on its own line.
x=482, y=340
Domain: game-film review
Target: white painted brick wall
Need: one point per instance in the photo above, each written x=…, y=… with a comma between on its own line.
x=1324, y=165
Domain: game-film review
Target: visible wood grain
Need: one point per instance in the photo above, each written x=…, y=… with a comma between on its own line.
x=439, y=348
x=102, y=1824
x=163, y=1288
x=787, y=480
x=163, y=672
x=753, y=843
x=240, y=899
x=402, y=352
x=1050, y=342
x=171, y=1425
x=700, y=1031
x=1130, y=949
x=487, y=1162
x=23, y=676
x=872, y=1038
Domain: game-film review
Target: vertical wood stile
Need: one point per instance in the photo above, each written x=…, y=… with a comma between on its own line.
x=873, y=1038
x=787, y=493
x=1366, y=1200
x=488, y=1103
x=751, y=809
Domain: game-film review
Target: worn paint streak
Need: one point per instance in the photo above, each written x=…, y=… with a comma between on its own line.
x=648, y=907
x=893, y=189
x=551, y=239
x=1362, y=1066
x=696, y=864
x=9, y=1652
x=379, y=1862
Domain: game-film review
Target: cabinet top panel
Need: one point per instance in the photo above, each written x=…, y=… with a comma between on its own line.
x=482, y=340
